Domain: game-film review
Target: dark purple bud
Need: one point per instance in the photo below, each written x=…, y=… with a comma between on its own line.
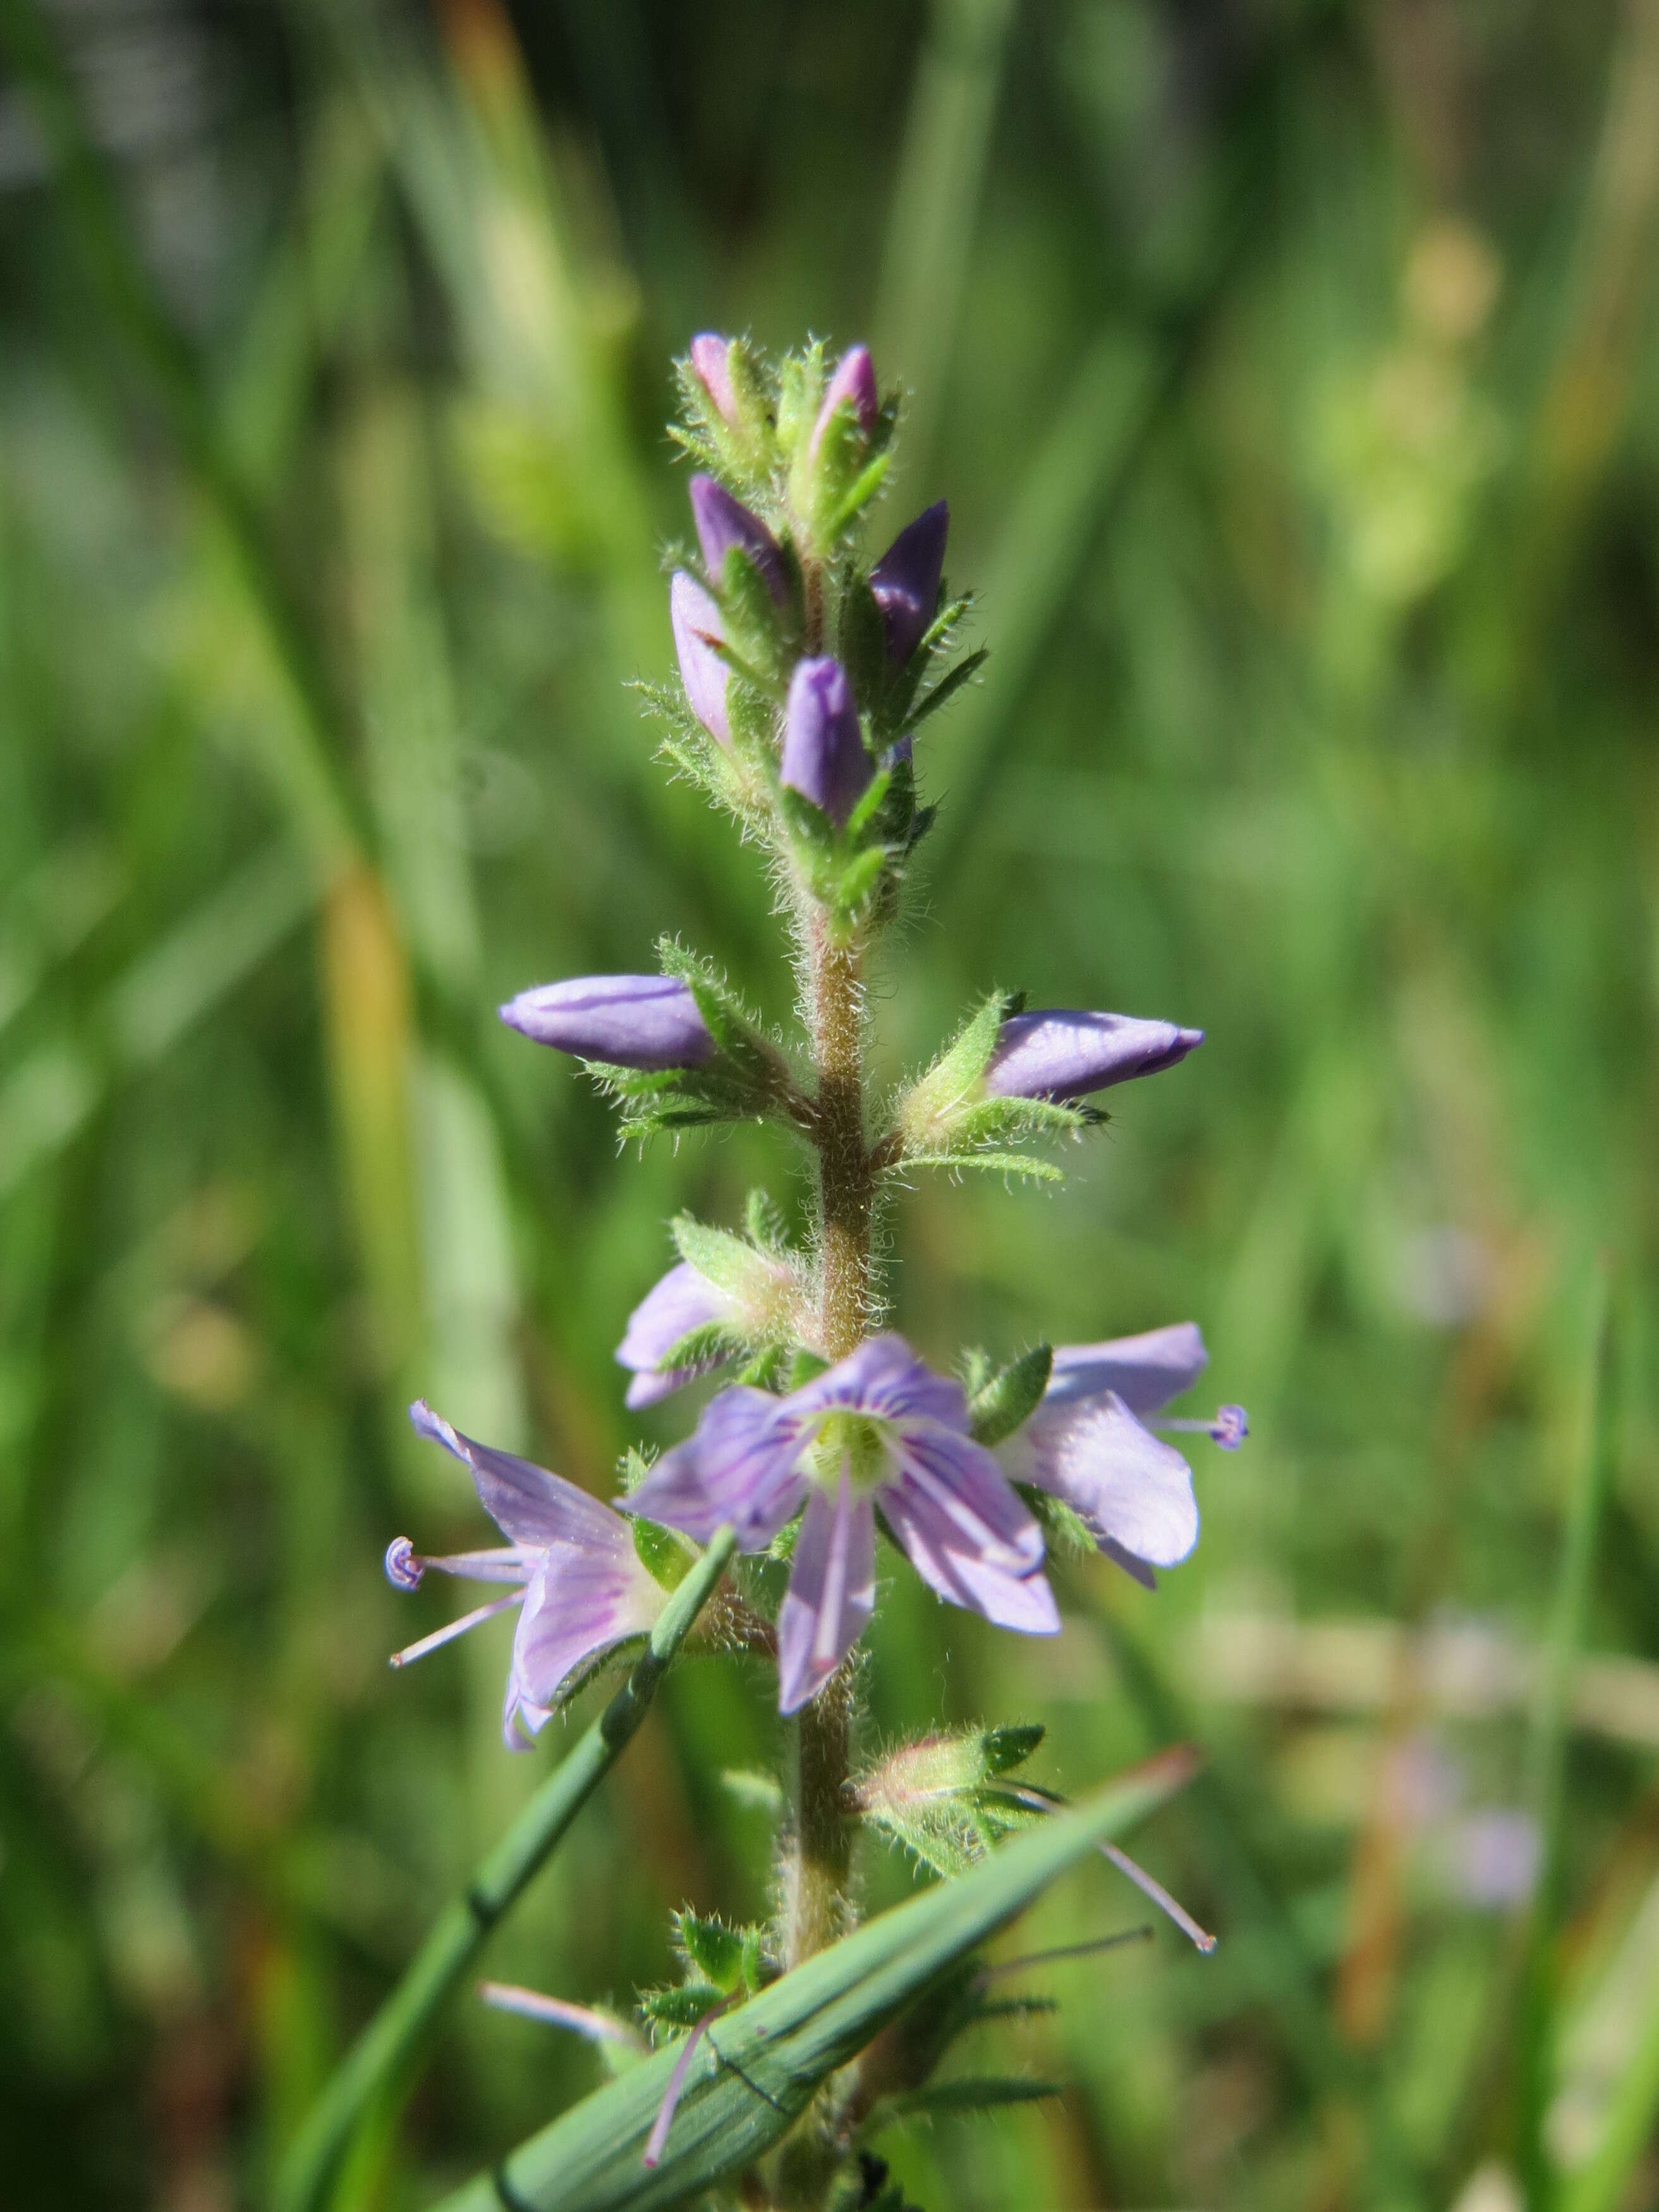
x=696, y=623
x=723, y=522
x=711, y=357
x=1062, y=1056
x=648, y=1022
x=823, y=754
x=855, y=379
x=904, y=582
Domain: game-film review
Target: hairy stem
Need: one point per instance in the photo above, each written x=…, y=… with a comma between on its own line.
x=845, y=1182
x=823, y=1844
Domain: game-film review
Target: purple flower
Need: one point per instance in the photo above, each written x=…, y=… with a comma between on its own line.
x=683, y=1301
x=854, y=382
x=878, y=1429
x=1089, y=1443
x=697, y=627
x=823, y=754
x=577, y=1575
x=646, y=1022
x=905, y=580
x=711, y=357
x=1062, y=1055
x=723, y=522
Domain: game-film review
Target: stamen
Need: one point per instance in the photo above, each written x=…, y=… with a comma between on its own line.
x=1228, y=1428
x=419, y=1651
x=1160, y=1897
x=405, y=1565
x=657, y=2141
x=531, y=2004
x=1043, y=1800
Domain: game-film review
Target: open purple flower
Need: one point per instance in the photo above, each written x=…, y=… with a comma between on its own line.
x=683, y=1301
x=853, y=384
x=824, y=754
x=571, y=1560
x=724, y=522
x=905, y=581
x=878, y=1429
x=648, y=1022
x=1089, y=1443
x=697, y=628
x=1063, y=1055
x=711, y=357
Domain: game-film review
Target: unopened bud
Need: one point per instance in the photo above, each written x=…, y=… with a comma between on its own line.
x=824, y=754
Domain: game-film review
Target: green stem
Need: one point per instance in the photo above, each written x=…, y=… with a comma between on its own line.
x=379, y=2066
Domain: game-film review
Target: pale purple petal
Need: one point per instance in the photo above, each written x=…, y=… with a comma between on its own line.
x=579, y=1606
x=823, y=753
x=1063, y=1053
x=943, y=1554
x=1126, y=1483
x=831, y=1593
x=525, y=1501
x=696, y=619
x=648, y=1022
x=854, y=383
x=683, y=1301
x=1146, y=1370
x=724, y=522
x=741, y=1465
x=884, y=1377
x=711, y=357
x=905, y=580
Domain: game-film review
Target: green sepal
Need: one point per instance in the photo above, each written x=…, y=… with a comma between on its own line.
x=764, y=1225
x=712, y=1345
x=715, y=1951
x=969, y=2093
x=805, y=1366
x=765, y=1370
x=929, y=1108
x=754, y=1791
x=999, y=1407
x=937, y=1797
x=743, y=449
x=682, y=2006
x=861, y=641
x=1064, y=1528
x=731, y=1263
x=664, y=1553
x=948, y=685
x=762, y=641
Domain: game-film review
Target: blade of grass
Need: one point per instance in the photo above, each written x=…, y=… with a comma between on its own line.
x=1547, y=1760
x=378, y=2070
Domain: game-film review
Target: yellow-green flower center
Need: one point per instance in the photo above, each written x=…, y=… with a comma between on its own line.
x=856, y=1444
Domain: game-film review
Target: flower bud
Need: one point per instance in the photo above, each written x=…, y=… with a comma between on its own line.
x=696, y=623
x=823, y=754
x=711, y=357
x=723, y=522
x=672, y=1310
x=648, y=1022
x=1062, y=1055
x=855, y=379
x=905, y=581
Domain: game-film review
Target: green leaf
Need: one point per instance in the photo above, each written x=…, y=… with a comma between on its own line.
x=760, y=2065
x=997, y=1409
x=681, y=2006
x=949, y=686
x=969, y=2093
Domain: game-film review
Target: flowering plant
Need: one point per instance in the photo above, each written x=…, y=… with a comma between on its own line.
x=809, y=676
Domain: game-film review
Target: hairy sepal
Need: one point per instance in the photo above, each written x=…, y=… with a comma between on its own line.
x=937, y=1797
x=1000, y=1405
x=728, y=1959
x=663, y=1552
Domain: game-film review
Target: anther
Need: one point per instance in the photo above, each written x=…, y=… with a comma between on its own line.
x=404, y=1565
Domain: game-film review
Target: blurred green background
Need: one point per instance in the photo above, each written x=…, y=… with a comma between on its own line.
x=1290, y=369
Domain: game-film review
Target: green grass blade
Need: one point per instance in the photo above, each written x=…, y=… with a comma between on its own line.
x=760, y=2066
x=378, y=2068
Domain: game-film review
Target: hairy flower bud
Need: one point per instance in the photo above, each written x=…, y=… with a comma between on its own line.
x=724, y=522
x=697, y=622
x=1064, y=1054
x=711, y=357
x=854, y=380
x=648, y=1022
x=823, y=754
x=905, y=581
